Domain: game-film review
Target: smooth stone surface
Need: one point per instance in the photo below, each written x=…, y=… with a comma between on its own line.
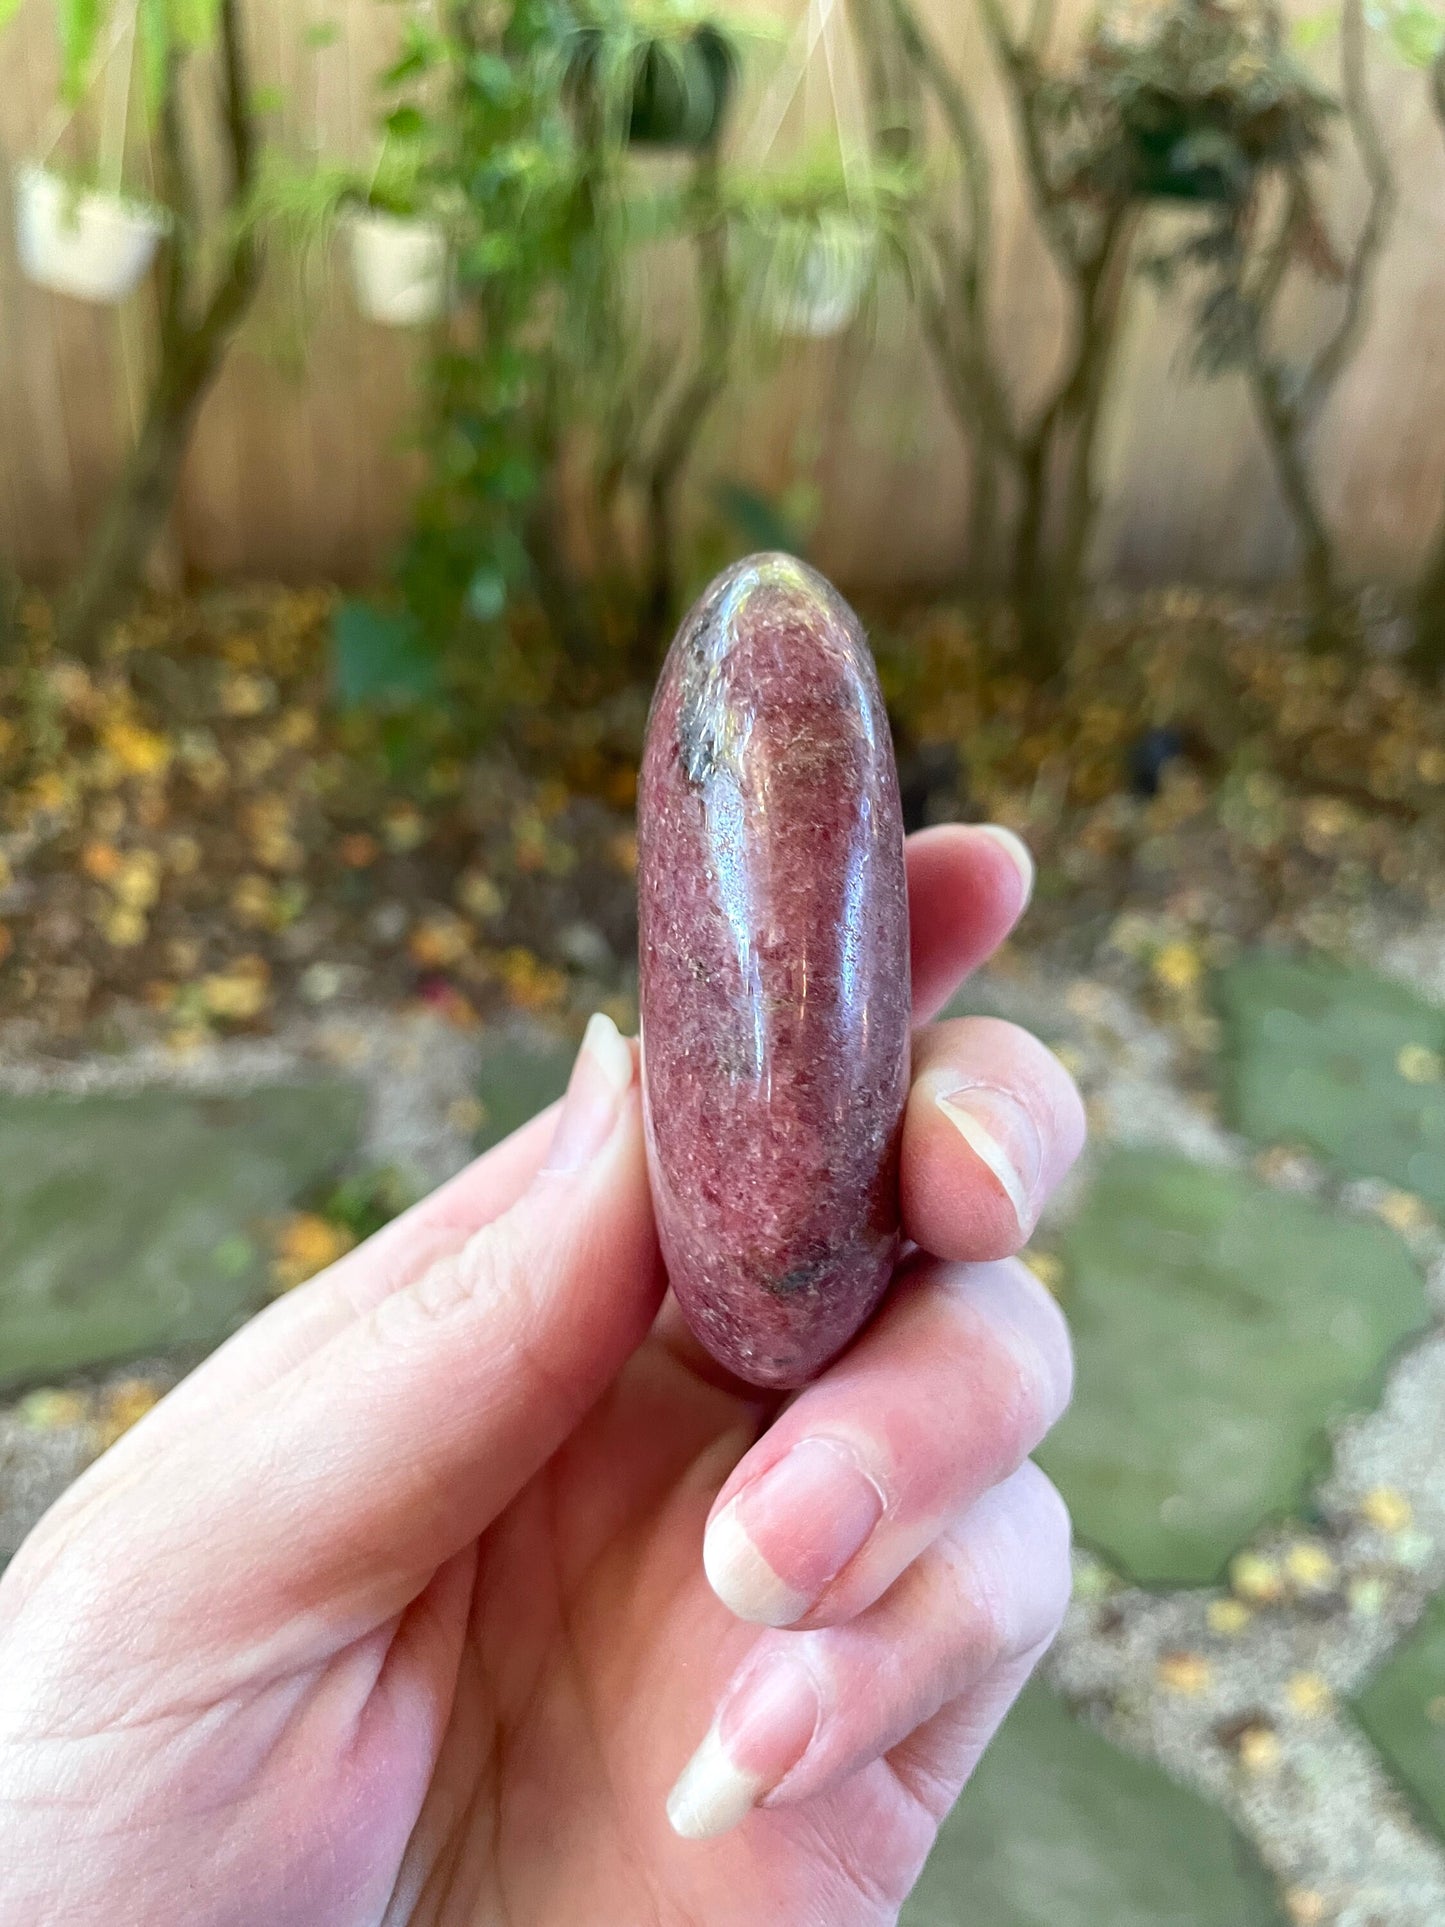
x=774, y=963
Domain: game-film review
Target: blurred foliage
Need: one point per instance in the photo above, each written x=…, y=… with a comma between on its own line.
x=552, y=404
x=1191, y=101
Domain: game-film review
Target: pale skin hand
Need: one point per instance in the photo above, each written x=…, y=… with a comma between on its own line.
x=396, y=1610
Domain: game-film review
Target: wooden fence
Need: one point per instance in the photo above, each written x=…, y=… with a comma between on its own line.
x=301, y=470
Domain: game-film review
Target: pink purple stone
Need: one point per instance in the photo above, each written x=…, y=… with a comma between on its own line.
x=774, y=961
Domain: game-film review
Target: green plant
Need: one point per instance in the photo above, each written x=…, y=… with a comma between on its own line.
x=1087, y=214
x=1192, y=102
x=1275, y=230
x=208, y=275
x=560, y=423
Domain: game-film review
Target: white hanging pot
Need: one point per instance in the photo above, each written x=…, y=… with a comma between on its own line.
x=86, y=242
x=400, y=267
x=818, y=274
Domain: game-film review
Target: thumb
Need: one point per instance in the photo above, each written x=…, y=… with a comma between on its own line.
x=352, y=1479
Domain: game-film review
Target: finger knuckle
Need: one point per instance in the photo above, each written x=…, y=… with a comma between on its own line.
x=1038, y=1332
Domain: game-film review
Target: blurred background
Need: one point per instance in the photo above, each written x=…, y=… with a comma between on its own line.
x=378, y=383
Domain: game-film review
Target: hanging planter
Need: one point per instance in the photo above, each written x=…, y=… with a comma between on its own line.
x=1179, y=152
x=816, y=235
x=676, y=89
x=681, y=90
x=400, y=267
x=818, y=271
x=92, y=243
x=95, y=242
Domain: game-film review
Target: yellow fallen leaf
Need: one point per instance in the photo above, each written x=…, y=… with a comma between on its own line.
x=307, y=1243
x=296, y=729
x=479, y=896
x=358, y=851
x=1309, y=1694
x=1047, y=1268
x=1187, y=1674
x=1305, y=1907
x=1259, y=1750
x=101, y=861
x=1404, y=1211
x=1417, y=1064
x=246, y=695
x=1178, y=966
x=186, y=1039
x=439, y=941
x=1227, y=1617
x=51, y=1410
x=137, y=883
x=239, y=993
x=1256, y=1579
x=466, y=1115
x=253, y=901
x=138, y=751
x=1387, y=1509
x=125, y=928
x=1310, y=1567
x=403, y=828
x=122, y=1406
x=183, y=855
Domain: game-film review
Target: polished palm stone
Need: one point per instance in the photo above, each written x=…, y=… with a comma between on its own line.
x=774, y=966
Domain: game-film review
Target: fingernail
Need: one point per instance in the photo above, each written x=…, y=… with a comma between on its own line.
x=1001, y=1132
x=601, y=1078
x=1018, y=854
x=764, y=1726
x=771, y=1551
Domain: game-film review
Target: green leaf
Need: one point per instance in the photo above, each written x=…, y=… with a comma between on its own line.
x=1416, y=32
x=193, y=22
x=153, y=34
x=379, y=658
x=78, y=24
x=405, y=123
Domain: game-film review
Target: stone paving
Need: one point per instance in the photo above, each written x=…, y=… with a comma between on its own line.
x=1273, y=1804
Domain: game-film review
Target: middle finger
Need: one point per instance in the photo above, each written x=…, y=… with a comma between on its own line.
x=953, y=1385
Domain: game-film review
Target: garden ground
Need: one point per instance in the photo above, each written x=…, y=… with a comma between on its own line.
x=318, y=960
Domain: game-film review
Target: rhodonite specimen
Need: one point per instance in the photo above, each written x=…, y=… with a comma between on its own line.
x=774, y=962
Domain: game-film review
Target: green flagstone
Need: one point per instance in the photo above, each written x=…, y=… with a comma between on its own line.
x=133, y=1223
x=1403, y=1711
x=521, y=1072
x=1219, y=1326
x=1340, y=1061
x=1060, y=1829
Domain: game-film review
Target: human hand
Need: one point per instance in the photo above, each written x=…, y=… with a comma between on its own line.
x=396, y=1611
